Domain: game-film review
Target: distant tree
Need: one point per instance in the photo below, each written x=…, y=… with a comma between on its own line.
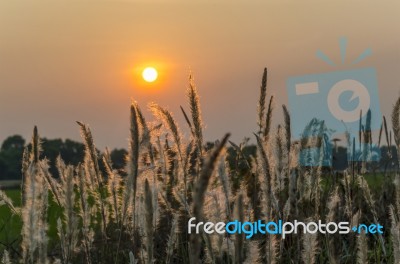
x=15, y=142
x=339, y=158
x=11, y=157
x=70, y=151
x=118, y=158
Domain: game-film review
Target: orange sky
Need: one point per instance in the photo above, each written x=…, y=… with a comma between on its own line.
x=62, y=61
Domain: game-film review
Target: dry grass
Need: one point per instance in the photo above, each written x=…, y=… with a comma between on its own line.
x=142, y=218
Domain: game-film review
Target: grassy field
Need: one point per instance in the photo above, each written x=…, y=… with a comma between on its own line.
x=10, y=184
x=87, y=215
x=11, y=223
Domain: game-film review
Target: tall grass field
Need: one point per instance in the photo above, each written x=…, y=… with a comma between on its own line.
x=140, y=215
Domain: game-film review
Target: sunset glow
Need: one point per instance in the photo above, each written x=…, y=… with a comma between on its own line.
x=149, y=74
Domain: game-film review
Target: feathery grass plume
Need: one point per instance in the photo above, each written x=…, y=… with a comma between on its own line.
x=25, y=166
x=168, y=120
x=200, y=189
x=362, y=248
x=209, y=249
x=355, y=218
x=239, y=238
x=288, y=132
x=396, y=129
x=42, y=227
x=395, y=232
x=187, y=120
x=32, y=208
x=252, y=254
x=291, y=206
x=171, y=241
x=192, y=165
x=168, y=171
x=268, y=118
x=333, y=206
x=145, y=133
x=223, y=177
x=195, y=110
x=367, y=134
x=61, y=235
x=281, y=157
x=36, y=146
x=91, y=161
x=25, y=160
x=34, y=216
x=239, y=151
x=113, y=186
x=294, y=156
x=271, y=248
x=310, y=248
x=70, y=220
x=354, y=221
x=148, y=204
x=261, y=102
x=395, y=221
x=380, y=135
x=87, y=233
x=288, y=135
x=132, y=259
x=30, y=217
x=214, y=214
x=252, y=184
x=396, y=122
x=4, y=199
x=132, y=164
x=29, y=158
x=386, y=131
x=61, y=168
x=6, y=258
x=322, y=141
x=397, y=193
x=368, y=126
x=129, y=196
x=54, y=186
x=265, y=164
x=162, y=158
x=371, y=204
x=367, y=193
x=348, y=187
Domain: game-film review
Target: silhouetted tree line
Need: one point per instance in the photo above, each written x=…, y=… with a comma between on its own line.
x=388, y=160
x=72, y=152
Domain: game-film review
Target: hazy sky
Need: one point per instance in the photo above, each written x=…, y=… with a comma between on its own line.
x=62, y=61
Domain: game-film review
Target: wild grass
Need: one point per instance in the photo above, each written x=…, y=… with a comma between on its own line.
x=89, y=215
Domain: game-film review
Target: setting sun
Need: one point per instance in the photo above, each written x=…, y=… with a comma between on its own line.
x=149, y=74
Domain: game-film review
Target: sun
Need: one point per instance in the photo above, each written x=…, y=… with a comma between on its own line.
x=150, y=74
